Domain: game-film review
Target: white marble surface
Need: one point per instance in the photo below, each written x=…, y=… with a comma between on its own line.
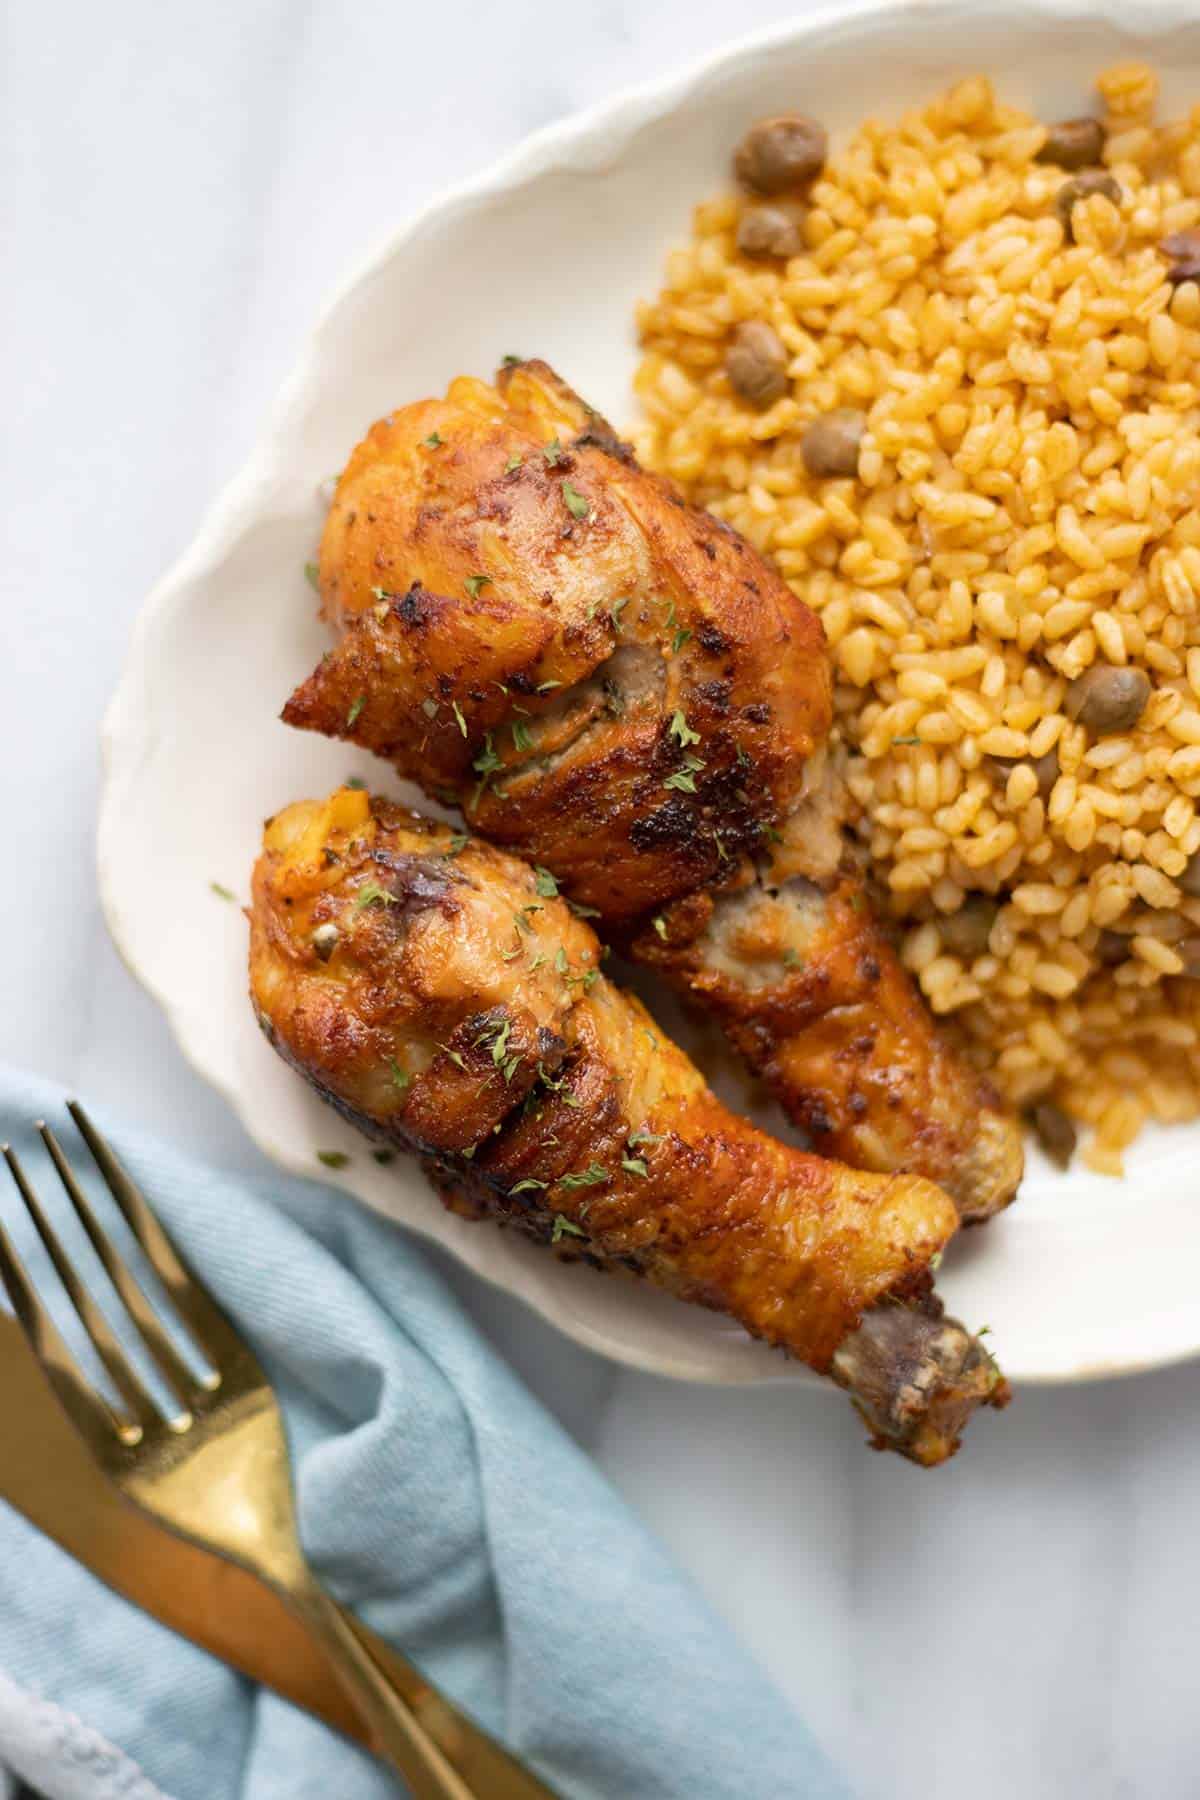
x=181, y=187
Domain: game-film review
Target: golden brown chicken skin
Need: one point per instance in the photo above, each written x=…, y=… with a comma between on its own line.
x=616, y=686
x=440, y=995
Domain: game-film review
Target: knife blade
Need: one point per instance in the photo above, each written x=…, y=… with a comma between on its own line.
x=48, y=1476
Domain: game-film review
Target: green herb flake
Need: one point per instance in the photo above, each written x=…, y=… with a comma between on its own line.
x=520, y=735
x=642, y=1136
x=371, y=894
x=684, y=778
x=560, y=960
x=454, y=1056
x=527, y=1186
x=401, y=1079
x=583, y=912
x=792, y=959
x=313, y=576
x=592, y=1176
x=905, y=740
x=553, y=453
x=547, y=887
x=535, y=963
x=384, y=1157
x=635, y=1165
x=681, y=730
x=545, y=686
x=487, y=761
x=221, y=891
x=429, y=708
x=458, y=843
x=577, y=506
x=456, y=709
x=432, y=442
x=355, y=783
x=682, y=637
x=615, y=611
x=509, y=361
x=564, y=1228
x=357, y=707
x=514, y=462
x=523, y=916
x=333, y=1159
x=473, y=583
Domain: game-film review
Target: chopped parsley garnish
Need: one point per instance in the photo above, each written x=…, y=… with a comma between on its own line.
x=514, y=462
x=333, y=1159
x=400, y=1077
x=564, y=1228
x=221, y=891
x=905, y=740
x=384, y=1157
x=458, y=842
x=560, y=960
x=592, y=1176
x=547, y=887
x=382, y=593
x=536, y=962
x=432, y=442
x=641, y=1136
x=617, y=608
x=522, y=917
x=577, y=506
x=357, y=707
x=456, y=709
x=473, y=583
x=583, y=912
x=682, y=636
x=429, y=708
x=526, y=1186
x=684, y=778
x=635, y=1165
x=520, y=735
x=553, y=453
x=371, y=894
x=545, y=686
x=355, y=783
x=454, y=1056
x=682, y=730
x=792, y=959
x=510, y=361
x=485, y=765
x=313, y=576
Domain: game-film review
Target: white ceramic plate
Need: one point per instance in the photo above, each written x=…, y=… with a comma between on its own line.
x=1085, y=1276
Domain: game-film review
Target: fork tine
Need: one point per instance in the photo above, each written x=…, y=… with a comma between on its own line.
x=137, y=1304
x=145, y=1413
x=88, y=1411
x=207, y=1323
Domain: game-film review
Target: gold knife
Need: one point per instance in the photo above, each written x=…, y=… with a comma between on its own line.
x=48, y=1476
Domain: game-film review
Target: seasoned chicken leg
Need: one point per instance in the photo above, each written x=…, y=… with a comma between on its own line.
x=615, y=685
x=441, y=996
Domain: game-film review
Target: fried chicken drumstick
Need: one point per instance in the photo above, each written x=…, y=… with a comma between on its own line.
x=616, y=686
x=441, y=996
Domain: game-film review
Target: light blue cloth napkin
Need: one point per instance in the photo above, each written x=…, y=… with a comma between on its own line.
x=436, y=1498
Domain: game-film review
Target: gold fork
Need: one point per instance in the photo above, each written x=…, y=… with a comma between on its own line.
x=217, y=1473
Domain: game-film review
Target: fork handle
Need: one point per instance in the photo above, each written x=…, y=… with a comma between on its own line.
x=396, y=1732
x=490, y=1771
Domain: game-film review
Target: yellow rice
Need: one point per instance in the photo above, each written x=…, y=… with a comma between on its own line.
x=1025, y=508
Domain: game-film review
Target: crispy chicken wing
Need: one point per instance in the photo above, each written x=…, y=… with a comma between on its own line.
x=615, y=685
x=441, y=996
